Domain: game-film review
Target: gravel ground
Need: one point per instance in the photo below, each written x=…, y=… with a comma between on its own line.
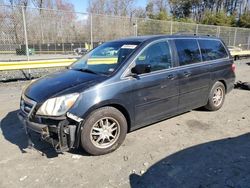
x=196, y=149
x=18, y=75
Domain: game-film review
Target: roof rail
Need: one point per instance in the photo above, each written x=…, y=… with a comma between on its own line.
x=187, y=33
x=183, y=33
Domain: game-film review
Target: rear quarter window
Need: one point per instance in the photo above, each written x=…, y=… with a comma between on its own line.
x=188, y=51
x=212, y=49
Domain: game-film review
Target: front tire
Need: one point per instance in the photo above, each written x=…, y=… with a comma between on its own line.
x=104, y=131
x=216, y=97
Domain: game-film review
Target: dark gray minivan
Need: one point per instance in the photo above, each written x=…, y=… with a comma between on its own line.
x=126, y=84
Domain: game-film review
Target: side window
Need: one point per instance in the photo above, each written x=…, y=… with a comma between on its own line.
x=157, y=55
x=188, y=51
x=212, y=49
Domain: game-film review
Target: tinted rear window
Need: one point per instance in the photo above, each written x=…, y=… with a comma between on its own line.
x=188, y=51
x=212, y=49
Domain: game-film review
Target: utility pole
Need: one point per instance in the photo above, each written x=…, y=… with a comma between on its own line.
x=25, y=35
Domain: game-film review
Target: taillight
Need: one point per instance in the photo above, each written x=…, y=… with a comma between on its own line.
x=233, y=67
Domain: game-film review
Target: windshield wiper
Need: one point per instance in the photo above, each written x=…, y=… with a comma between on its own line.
x=87, y=70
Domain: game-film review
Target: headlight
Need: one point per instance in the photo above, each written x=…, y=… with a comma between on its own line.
x=58, y=106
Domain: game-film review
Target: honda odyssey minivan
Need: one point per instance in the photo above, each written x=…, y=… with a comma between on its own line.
x=124, y=85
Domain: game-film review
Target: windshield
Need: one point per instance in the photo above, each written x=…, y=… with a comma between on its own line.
x=106, y=58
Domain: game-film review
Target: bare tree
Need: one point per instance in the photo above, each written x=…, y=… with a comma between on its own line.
x=161, y=5
x=97, y=6
x=111, y=7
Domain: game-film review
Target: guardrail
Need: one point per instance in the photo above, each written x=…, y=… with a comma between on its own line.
x=238, y=54
x=241, y=53
x=20, y=65
x=8, y=52
x=39, y=52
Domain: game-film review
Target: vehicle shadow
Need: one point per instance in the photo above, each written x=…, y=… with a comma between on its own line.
x=222, y=163
x=14, y=132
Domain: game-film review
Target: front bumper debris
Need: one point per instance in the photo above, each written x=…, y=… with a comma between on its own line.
x=62, y=135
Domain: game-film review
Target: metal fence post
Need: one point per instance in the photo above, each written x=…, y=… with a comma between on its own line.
x=171, y=27
x=25, y=34
x=248, y=42
x=63, y=47
x=218, y=31
x=91, y=31
x=136, y=27
x=235, y=34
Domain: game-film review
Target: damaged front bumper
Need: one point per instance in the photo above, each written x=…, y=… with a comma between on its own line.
x=63, y=134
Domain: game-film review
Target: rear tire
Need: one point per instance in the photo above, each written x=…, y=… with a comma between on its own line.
x=104, y=131
x=216, y=97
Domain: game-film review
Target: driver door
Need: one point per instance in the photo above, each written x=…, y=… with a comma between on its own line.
x=155, y=94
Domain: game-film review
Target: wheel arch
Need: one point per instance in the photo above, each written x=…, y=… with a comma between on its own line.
x=113, y=104
x=224, y=83
x=124, y=111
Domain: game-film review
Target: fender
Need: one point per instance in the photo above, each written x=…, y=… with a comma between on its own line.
x=126, y=111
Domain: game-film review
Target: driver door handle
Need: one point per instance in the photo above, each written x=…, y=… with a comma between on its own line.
x=186, y=74
x=171, y=76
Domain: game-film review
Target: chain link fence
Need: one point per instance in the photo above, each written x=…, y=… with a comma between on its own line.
x=56, y=32
x=11, y=31
x=30, y=33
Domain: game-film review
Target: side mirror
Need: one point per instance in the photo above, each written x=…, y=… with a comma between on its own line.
x=141, y=69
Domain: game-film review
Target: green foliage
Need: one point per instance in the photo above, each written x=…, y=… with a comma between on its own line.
x=159, y=15
x=193, y=11
x=150, y=10
x=220, y=18
x=182, y=8
x=244, y=20
x=162, y=15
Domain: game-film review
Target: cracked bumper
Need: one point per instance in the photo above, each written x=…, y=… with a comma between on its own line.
x=62, y=136
x=36, y=127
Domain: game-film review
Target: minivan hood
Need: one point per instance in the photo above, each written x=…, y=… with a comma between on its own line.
x=54, y=84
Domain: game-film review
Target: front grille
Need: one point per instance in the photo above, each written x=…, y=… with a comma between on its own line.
x=27, y=105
